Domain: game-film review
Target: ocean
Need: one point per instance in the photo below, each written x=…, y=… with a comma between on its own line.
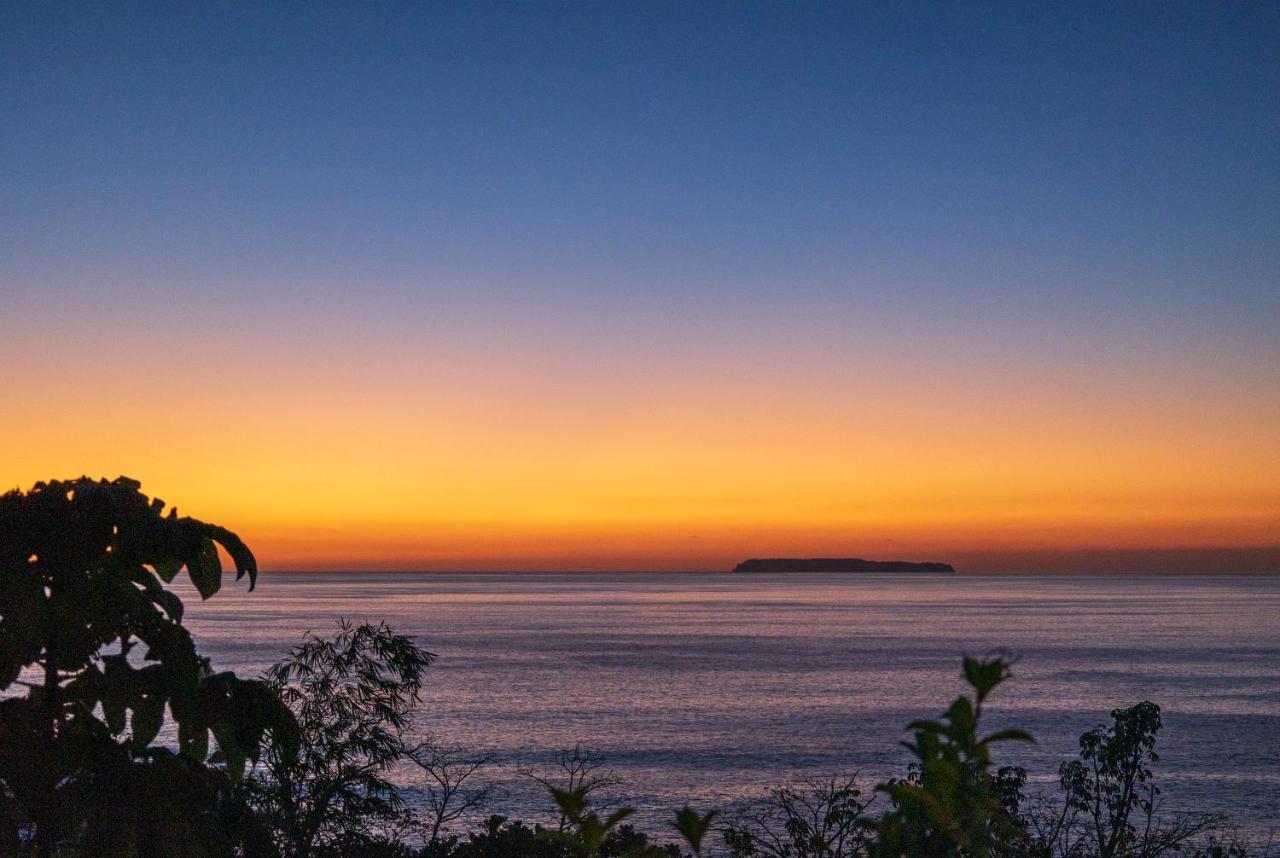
x=708, y=689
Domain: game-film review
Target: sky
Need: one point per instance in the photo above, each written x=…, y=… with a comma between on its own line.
x=652, y=285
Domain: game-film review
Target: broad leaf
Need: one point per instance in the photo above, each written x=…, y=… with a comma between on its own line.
x=148, y=716
x=205, y=569
x=167, y=568
x=193, y=740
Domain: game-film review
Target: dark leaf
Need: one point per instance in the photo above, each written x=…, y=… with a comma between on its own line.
x=167, y=568
x=113, y=711
x=205, y=569
x=239, y=552
x=1008, y=736
x=193, y=740
x=148, y=716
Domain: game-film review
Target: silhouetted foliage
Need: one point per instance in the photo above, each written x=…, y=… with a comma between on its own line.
x=1231, y=846
x=815, y=818
x=1112, y=781
x=1110, y=797
x=590, y=828
x=89, y=630
x=502, y=838
x=352, y=695
x=951, y=803
x=448, y=787
x=693, y=827
x=581, y=831
x=576, y=770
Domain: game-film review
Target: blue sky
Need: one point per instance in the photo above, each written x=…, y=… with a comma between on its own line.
x=660, y=146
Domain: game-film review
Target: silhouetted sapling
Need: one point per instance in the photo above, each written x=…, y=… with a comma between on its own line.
x=951, y=803
x=352, y=695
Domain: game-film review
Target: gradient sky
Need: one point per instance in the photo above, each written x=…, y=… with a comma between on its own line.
x=650, y=285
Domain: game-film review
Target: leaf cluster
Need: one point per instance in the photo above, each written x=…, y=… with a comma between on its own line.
x=87, y=627
x=952, y=804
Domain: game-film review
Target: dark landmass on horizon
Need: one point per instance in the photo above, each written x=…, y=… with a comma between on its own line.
x=854, y=565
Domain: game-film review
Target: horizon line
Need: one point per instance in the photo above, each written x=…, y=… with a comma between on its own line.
x=1243, y=560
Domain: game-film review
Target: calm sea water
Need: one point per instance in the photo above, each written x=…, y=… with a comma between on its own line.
x=709, y=688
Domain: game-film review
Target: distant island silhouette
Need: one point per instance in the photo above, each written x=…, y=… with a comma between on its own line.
x=838, y=564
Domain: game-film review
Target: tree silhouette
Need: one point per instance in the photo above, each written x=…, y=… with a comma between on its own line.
x=449, y=792
x=1111, y=800
x=352, y=695
x=87, y=627
x=575, y=770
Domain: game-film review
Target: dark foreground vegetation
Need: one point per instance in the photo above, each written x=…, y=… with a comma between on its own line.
x=314, y=761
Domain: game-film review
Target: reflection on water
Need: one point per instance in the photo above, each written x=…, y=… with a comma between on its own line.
x=703, y=688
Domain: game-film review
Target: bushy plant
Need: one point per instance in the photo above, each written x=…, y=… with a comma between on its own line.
x=95, y=640
x=587, y=825
x=503, y=838
x=952, y=804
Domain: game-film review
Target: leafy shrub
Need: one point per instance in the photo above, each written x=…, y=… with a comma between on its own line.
x=89, y=630
x=951, y=803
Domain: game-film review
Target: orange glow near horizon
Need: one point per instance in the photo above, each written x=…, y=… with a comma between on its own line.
x=539, y=469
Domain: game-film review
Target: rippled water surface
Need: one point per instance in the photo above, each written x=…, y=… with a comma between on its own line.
x=706, y=688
